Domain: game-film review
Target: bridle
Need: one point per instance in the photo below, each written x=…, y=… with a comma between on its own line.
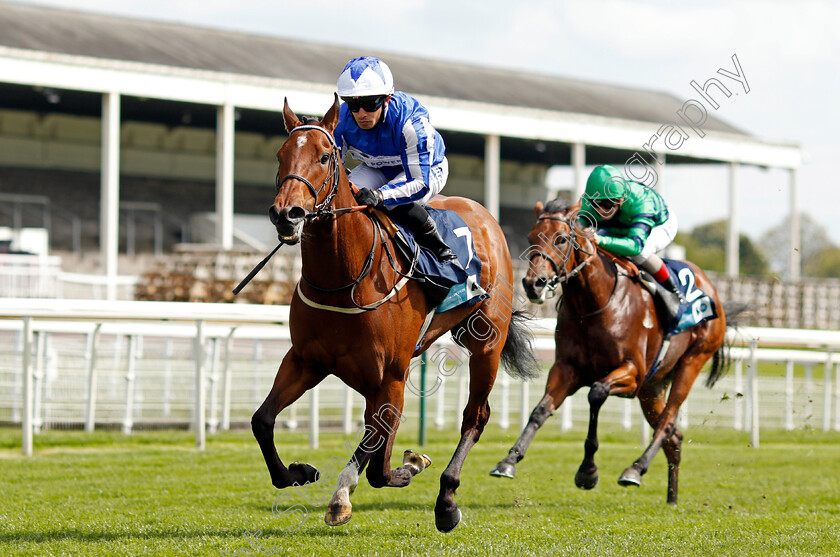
x=323, y=209
x=552, y=283
x=558, y=278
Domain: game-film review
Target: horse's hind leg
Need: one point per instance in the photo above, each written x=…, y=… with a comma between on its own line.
x=621, y=381
x=664, y=424
x=292, y=380
x=652, y=402
x=561, y=383
x=476, y=414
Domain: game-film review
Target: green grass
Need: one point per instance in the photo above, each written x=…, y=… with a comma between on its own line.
x=154, y=494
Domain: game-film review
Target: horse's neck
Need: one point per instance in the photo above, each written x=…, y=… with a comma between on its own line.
x=591, y=289
x=333, y=250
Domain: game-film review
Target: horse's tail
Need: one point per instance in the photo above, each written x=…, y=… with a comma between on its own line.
x=722, y=361
x=518, y=352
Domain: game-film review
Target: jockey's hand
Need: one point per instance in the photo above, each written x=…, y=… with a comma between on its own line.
x=599, y=240
x=369, y=197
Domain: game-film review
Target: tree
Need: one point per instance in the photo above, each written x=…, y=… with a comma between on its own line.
x=814, y=241
x=706, y=246
x=824, y=264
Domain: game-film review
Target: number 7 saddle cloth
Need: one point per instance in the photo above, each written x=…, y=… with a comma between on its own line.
x=447, y=285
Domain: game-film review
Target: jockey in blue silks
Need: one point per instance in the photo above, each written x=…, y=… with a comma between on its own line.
x=403, y=162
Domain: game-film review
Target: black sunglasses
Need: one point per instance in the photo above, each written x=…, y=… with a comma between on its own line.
x=370, y=104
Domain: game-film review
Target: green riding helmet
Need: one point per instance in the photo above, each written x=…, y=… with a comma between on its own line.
x=606, y=182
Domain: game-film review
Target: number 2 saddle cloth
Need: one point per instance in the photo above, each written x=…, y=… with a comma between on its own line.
x=700, y=307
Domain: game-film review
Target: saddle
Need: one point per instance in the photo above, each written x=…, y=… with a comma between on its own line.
x=446, y=285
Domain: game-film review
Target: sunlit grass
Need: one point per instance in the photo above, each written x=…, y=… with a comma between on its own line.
x=154, y=494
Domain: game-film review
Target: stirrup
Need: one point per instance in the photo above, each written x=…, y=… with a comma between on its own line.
x=445, y=255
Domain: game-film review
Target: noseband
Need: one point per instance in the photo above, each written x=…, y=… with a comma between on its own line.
x=552, y=283
x=332, y=179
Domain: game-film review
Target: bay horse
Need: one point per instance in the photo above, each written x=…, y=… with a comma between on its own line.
x=354, y=316
x=608, y=336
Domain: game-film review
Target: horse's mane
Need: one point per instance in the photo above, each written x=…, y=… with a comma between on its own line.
x=557, y=205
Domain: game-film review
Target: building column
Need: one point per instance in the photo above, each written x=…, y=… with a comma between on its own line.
x=732, y=243
x=578, y=164
x=795, y=232
x=492, y=157
x=224, y=175
x=109, y=210
x=661, y=185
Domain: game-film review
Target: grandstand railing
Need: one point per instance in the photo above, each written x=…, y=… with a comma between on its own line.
x=129, y=365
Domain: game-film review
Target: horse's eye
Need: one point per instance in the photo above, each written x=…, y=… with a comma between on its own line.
x=325, y=158
x=560, y=239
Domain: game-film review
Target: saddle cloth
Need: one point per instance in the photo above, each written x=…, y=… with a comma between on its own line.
x=700, y=307
x=447, y=285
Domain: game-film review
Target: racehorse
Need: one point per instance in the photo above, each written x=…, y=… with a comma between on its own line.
x=608, y=337
x=354, y=316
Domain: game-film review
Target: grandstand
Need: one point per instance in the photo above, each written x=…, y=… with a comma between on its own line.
x=136, y=143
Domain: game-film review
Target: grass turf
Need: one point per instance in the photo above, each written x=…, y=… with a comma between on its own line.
x=154, y=494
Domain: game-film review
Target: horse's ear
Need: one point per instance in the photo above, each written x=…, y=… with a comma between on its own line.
x=538, y=208
x=331, y=117
x=289, y=117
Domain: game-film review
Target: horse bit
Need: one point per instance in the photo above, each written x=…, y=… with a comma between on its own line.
x=553, y=282
x=324, y=209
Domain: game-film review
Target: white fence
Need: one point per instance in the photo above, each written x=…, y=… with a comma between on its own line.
x=40, y=276
x=87, y=363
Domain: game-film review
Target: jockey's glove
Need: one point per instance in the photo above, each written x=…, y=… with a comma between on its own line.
x=368, y=196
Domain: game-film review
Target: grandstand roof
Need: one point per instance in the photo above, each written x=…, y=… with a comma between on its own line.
x=52, y=30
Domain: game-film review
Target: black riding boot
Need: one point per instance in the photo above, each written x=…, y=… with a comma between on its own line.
x=429, y=237
x=671, y=297
x=415, y=216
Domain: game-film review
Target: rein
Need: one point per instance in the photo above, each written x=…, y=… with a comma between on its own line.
x=366, y=268
x=324, y=209
x=557, y=279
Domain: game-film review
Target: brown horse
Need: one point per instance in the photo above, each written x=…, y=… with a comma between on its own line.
x=607, y=337
x=351, y=317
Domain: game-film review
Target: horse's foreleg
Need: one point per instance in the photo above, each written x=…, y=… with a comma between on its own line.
x=382, y=418
x=388, y=406
x=292, y=380
x=561, y=383
x=621, y=381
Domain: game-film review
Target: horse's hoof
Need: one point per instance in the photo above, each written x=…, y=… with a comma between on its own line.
x=586, y=481
x=631, y=476
x=418, y=462
x=304, y=472
x=338, y=514
x=503, y=470
x=446, y=521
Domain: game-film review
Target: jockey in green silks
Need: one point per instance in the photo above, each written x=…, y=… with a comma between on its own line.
x=632, y=220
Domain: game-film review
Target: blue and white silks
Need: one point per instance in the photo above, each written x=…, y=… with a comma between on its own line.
x=403, y=143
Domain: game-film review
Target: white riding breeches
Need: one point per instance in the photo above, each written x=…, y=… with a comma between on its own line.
x=659, y=238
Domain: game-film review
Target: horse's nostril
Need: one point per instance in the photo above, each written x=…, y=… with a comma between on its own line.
x=296, y=213
x=540, y=282
x=273, y=214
